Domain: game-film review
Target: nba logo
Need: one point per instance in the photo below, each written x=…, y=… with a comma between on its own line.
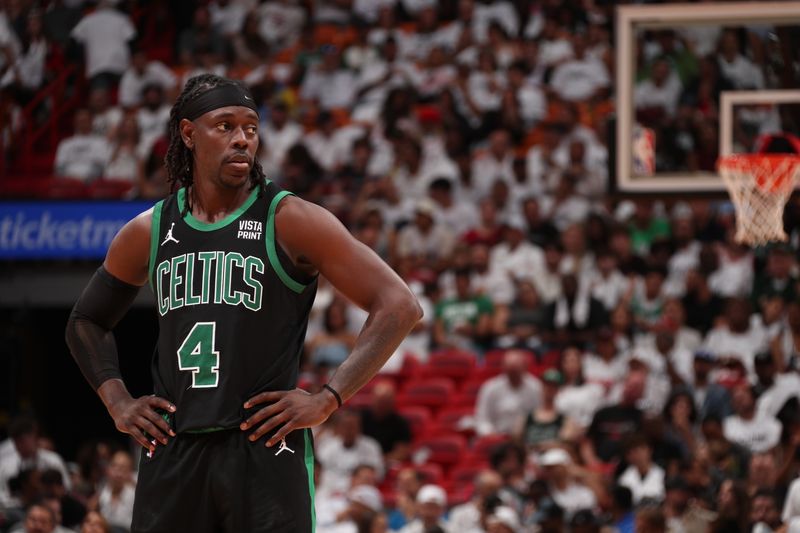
x=643, y=149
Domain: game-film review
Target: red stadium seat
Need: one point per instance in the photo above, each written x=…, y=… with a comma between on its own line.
x=451, y=417
x=109, y=189
x=430, y=473
x=464, y=473
x=66, y=189
x=485, y=445
x=418, y=417
x=446, y=450
x=432, y=392
x=451, y=364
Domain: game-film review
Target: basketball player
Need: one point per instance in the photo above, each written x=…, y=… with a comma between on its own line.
x=233, y=262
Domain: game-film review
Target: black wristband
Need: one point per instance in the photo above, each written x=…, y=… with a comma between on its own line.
x=335, y=394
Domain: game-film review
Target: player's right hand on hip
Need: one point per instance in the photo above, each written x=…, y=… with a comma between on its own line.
x=138, y=418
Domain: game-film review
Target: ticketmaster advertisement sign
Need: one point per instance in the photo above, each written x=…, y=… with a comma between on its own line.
x=62, y=230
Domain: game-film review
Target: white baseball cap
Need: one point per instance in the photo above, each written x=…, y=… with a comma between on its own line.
x=506, y=516
x=432, y=494
x=555, y=456
x=366, y=495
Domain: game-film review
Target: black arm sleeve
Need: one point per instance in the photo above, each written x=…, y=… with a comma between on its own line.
x=104, y=302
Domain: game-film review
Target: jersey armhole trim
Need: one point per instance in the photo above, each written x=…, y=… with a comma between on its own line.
x=155, y=233
x=272, y=251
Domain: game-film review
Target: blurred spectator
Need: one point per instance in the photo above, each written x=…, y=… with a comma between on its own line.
x=72, y=510
x=495, y=163
x=608, y=285
x=540, y=230
x=734, y=277
x=431, y=506
x=545, y=425
x=105, y=34
x=622, y=515
x=346, y=448
x=755, y=431
x=504, y=400
x=457, y=216
x=152, y=116
x=382, y=422
x=564, y=478
x=105, y=117
x=504, y=519
x=554, y=45
x=425, y=240
x=468, y=517
x=488, y=230
x=329, y=145
x=280, y=22
x=580, y=78
x=647, y=302
x=115, y=500
x=227, y=16
x=333, y=344
x=200, y=37
x=514, y=257
x=363, y=501
x=778, y=279
x=778, y=392
x=249, y=47
x=577, y=399
x=738, y=69
x=764, y=513
x=94, y=523
x=140, y=74
x=407, y=485
x=701, y=304
x=126, y=162
x=27, y=72
x=39, y=519
x=328, y=82
x=463, y=321
x=651, y=520
x=656, y=97
x=58, y=20
x=644, y=478
x=518, y=324
x=54, y=504
x=575, y=314
x=84, y=155
x=614, y=423
x=738, y=338
x=279, y=133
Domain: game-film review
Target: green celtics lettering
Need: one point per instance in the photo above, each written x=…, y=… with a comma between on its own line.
x=219, y=273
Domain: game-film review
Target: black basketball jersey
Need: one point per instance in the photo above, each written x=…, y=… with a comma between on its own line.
x=232, y=309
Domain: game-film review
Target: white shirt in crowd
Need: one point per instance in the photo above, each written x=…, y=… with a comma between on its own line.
x=332, y=152
x=733, y=278
x=606, y=373
x=678, y=267
x=650, y=486
x=105, y=34
x=609, y=290
x=118, y=512
x=723, y=342
x=280, y=22
x=228, y=19
x=278, y=141
x=574, y=498
x=11, y=464
x=580, y=402
x=28, y=68
x=82, y=156
x=648, y=95
x=791, y=506
x=525, y=261
x=486, y=169
x=784, y=387
x=132, y=82
x=500, y=406
x=338, y=461
x=152, y=125
x=742, y=73
x=577, y=80
x=554, y=51
x=336, y=89
x=760, y=434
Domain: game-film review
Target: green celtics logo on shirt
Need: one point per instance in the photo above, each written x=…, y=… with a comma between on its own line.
x=175, y=287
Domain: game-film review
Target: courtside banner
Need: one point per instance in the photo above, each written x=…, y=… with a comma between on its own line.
x=62, y=230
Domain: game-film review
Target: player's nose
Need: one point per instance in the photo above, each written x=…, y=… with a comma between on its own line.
x=239, y=138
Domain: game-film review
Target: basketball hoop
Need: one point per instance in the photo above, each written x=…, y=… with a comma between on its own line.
x=760, y=186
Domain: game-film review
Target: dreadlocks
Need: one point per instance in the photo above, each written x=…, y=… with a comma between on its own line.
x=179, y=158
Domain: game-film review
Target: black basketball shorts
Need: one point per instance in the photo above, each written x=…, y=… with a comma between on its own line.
x=220, y=482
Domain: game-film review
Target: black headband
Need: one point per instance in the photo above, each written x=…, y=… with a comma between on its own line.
x=220, y=96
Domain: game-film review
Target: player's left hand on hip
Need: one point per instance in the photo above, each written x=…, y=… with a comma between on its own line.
x=287, y=411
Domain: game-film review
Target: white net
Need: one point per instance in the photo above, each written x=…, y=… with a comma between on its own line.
x=760, y=185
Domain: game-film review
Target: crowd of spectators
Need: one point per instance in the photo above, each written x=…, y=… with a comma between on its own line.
x=649, y=363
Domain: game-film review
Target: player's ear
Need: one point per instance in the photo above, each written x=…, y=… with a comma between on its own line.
x=186, y=127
